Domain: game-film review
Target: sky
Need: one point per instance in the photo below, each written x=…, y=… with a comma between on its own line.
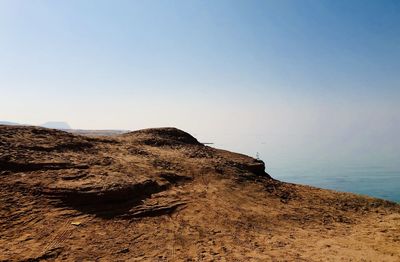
x=296, y=81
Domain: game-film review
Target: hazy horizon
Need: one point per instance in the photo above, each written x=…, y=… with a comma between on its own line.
x=300, y=82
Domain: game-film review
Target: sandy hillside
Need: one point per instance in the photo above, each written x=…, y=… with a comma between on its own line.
x=160, y=195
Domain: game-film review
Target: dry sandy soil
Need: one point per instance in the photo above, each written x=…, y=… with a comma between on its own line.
x=160, y=195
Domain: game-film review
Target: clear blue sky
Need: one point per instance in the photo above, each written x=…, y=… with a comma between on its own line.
x=321, y=74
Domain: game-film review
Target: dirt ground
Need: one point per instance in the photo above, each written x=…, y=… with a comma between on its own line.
x=160, y=195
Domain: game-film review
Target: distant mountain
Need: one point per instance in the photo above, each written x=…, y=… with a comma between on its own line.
x=50, y=124
x=56, y=125
x=8, y=123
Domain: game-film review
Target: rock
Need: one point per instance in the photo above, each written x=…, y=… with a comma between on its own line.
x=159, y=194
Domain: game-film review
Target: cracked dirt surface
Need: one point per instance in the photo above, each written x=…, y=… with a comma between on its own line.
x=160, y=195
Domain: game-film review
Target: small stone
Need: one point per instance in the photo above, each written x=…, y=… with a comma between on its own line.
x=125, y=250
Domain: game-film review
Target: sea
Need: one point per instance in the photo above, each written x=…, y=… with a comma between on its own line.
x=377, y=182
x=381, y=180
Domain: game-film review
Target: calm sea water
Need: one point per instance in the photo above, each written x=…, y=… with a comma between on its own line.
x=339, y=168
x=373, y=181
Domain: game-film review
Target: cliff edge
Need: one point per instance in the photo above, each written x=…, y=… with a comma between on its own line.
x=160, y=195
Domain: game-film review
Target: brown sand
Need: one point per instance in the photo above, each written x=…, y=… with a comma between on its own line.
x=159, y=195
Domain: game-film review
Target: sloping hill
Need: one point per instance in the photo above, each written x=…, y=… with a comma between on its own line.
x=160, y=195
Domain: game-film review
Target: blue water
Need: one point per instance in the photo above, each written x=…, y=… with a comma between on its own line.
x=339, y=168
x=373, y=181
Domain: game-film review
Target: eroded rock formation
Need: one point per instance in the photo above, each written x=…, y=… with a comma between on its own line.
x=159, y=194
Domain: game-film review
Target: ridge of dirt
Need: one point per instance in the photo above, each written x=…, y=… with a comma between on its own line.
x=159, y=195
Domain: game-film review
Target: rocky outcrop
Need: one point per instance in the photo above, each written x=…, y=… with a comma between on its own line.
x=160, y=195
x=163, y=137
x=94, y=177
